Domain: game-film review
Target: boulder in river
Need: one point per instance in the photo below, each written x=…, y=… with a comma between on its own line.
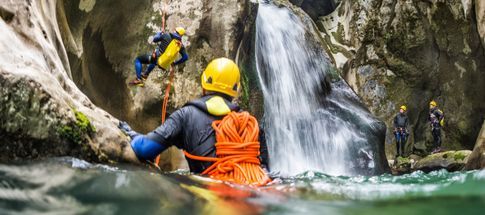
x=450, y=160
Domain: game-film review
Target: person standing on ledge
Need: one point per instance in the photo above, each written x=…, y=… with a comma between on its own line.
x=436, y=120
x=401, y=133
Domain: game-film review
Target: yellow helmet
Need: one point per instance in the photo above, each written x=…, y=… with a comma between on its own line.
x=403, y=107
x=221, y=75
x=433, y=103
x=180, y=31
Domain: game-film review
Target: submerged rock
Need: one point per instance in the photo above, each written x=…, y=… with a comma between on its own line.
x=450, y=160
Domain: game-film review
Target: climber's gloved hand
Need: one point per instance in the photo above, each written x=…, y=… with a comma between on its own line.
x=123, y=126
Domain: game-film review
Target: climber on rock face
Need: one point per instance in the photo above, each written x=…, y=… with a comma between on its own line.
x=190, y=127
x=169, y=46
x=401, y=133
x=436, y=119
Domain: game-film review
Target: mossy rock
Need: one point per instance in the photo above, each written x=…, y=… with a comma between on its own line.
x=78, y=131
x=450, y=160
x=402, y=165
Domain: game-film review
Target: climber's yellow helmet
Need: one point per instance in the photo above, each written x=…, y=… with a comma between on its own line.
x=221, y=75
x=433, y=103
x=180, y=31
x=403, y=107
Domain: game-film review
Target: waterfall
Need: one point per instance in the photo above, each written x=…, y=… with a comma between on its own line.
x=310, y=124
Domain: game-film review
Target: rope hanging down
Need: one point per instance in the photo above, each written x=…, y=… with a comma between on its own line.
x=168, y=88
x=237, y=151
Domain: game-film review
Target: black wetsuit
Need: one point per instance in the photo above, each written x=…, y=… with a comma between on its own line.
x=401, y=123
x=189, y=128
x=435, y=116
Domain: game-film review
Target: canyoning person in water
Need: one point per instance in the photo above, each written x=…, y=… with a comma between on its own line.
x=401, y=133
x=436, y=119
x=189, y=128
x=166, y=54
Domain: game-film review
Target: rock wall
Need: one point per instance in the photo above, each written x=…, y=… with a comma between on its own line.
x=103, y=38
x=75, y=52
x=42, y=112
x=477, y=158
x=480, y=13
x=103, y=42
x=409, y=52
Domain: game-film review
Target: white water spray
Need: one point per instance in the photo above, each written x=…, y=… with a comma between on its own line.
x=306, y=130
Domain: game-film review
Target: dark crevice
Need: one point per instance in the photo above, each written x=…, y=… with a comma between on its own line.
x=316, y=8
x=95, y=75
x=6, y=15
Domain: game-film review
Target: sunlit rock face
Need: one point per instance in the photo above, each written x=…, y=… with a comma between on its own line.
x=42, y=111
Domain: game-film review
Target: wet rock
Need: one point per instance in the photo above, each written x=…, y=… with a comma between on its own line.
x=477, y=158
x=450, y=160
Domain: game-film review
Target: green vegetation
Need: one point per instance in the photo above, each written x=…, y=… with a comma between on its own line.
x=77, y=131
x=460, y=156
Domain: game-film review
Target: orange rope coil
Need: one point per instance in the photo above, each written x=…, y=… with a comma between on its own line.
x=237, y=151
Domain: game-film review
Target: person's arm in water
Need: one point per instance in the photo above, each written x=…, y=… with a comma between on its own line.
x=184, y=57
x=148, y=147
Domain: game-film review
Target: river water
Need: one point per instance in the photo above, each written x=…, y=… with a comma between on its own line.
x=72, y=186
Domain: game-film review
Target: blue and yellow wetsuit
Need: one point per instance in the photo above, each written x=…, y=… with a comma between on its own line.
x=164, y=40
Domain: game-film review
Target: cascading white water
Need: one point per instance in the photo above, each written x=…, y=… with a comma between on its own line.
x=306, y=129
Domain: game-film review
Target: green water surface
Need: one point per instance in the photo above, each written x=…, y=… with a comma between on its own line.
x=72, y=186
